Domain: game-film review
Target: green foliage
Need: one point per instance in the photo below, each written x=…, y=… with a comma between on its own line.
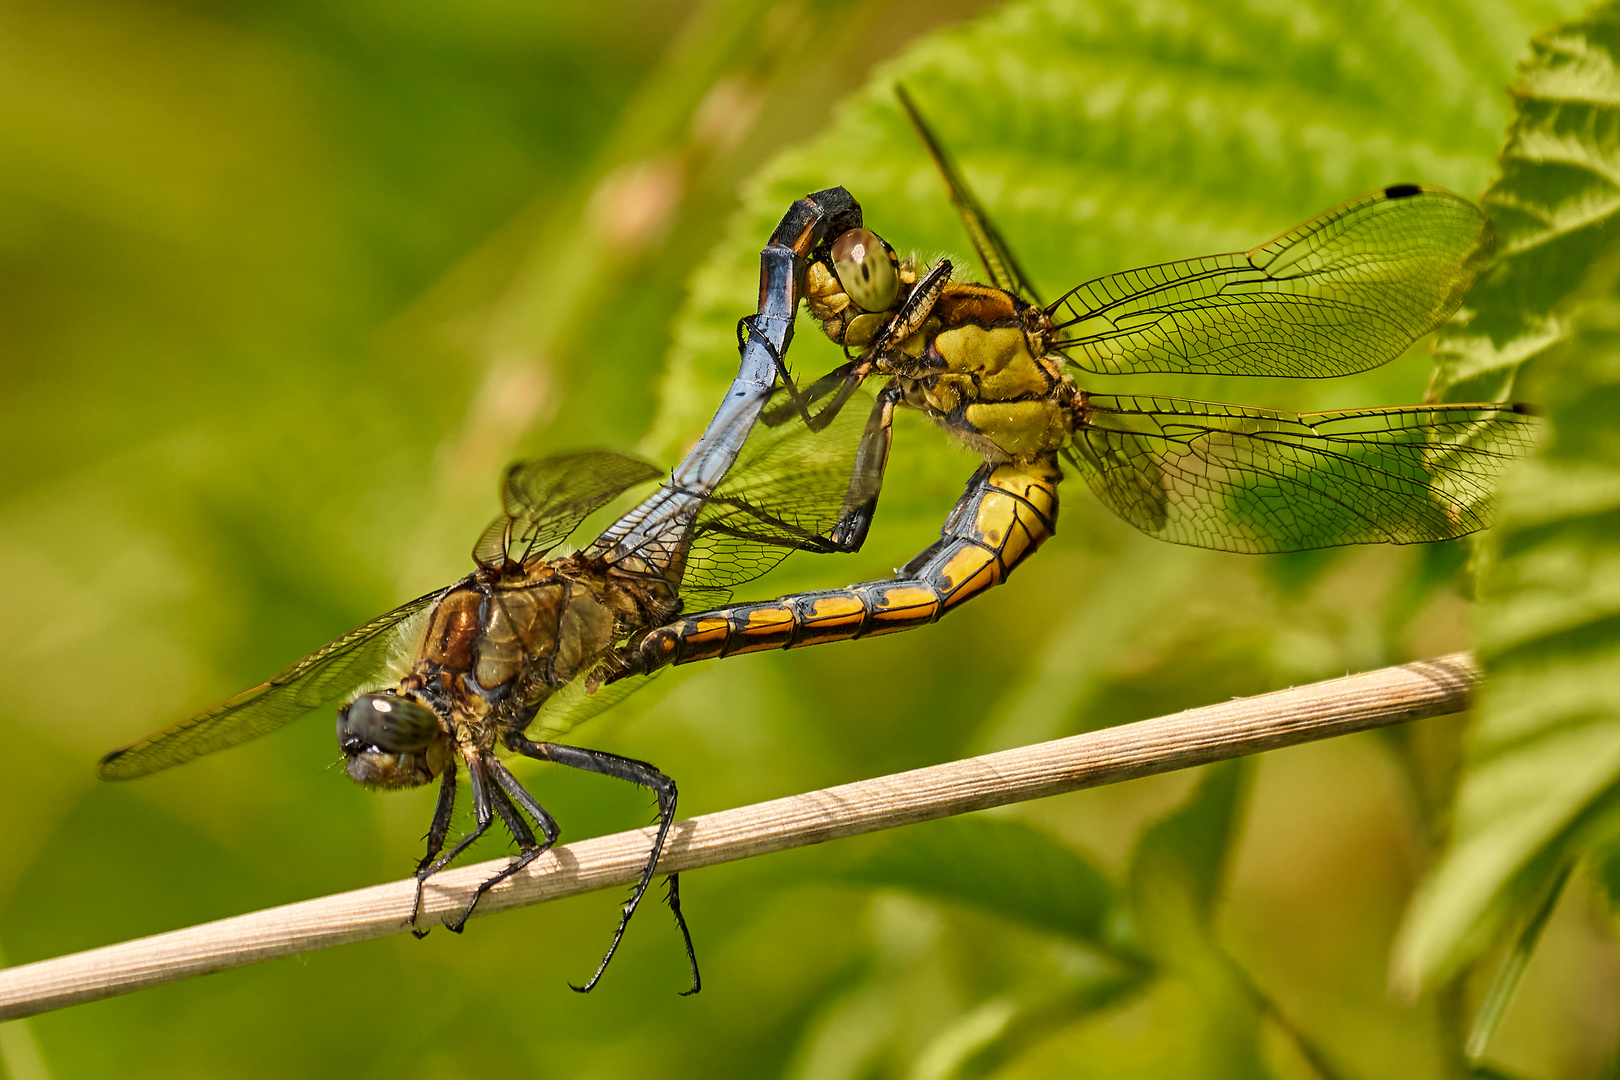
x=1123, y=942
x=1543, y=757
x=1176, y=876
x=1003, y=867
x=286, y=287
x=1181, y=861
x=1560, y=170
x=1015, y=874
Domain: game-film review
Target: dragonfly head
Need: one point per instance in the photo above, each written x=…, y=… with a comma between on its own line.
x=390, y=741
x=855, y=285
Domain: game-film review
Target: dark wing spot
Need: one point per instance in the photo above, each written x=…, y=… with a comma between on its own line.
x=1401, y=191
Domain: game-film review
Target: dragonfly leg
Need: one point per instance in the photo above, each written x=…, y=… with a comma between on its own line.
x=866, y=478
x=914, y=311
x=529, y=848
x=849, y=531
x=748, y=327
x=841, y=382
x=672, y=897
x=483, y=815
x=644, y=775
x=520, y=795
x=443, y=813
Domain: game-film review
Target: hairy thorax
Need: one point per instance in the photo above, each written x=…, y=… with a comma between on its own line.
x=976, y=361
x=503, y=641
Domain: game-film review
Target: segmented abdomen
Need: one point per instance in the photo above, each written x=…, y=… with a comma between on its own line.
x=1006, y=513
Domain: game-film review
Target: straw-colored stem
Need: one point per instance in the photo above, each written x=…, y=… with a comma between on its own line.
x=1212, y=733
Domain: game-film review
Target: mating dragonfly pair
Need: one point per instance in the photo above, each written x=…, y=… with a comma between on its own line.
x=531, y=643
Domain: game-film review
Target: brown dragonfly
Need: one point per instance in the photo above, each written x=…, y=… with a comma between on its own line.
x=1344, y=292
x=502, y=659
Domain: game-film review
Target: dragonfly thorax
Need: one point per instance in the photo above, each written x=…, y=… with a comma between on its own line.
x=640, y=589
x=501, y=642
x=974, y=357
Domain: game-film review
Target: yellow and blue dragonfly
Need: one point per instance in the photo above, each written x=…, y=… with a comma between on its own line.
x=1347, y=291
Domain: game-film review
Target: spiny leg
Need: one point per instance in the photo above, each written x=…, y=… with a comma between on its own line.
x=848, y=533
x=866, y=477
x=483, y=814
x=520, y=795
x=914, y=310
x=747, y=327
x=643, y=775
x=528, y=849
x=673, y=898
x=443, y=814
x=840, y=382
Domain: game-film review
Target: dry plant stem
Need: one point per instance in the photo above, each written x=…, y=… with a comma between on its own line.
x=1212, y=733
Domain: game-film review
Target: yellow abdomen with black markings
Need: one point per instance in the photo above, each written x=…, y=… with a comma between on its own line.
x=1008, y=511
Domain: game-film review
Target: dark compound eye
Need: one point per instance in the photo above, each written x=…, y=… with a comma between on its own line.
x=395, y=724
x=866, y=269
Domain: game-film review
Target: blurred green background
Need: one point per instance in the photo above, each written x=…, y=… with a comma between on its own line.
x=284, y=286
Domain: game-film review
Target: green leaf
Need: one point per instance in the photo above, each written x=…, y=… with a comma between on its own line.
x=1180, y=863
x=1015, y=872
x=1176, y=875
x=848, y=1036
x=1543, y=756
x=1506, y=980
x=1559, y=188
x=1606, y=869
x=1001, y=866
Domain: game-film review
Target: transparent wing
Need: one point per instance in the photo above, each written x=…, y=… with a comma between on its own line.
x=997, y=258
x=788, y=489
x=1237, y=479
x=1344, y=292
x=331, y=672
x=572, y=705
x=545, y=499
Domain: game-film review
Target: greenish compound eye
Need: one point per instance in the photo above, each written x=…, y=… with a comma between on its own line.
x=867, y=269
